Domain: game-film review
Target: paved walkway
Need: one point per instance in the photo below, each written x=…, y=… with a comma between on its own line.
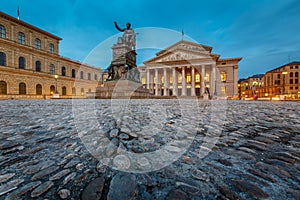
x=149, y=149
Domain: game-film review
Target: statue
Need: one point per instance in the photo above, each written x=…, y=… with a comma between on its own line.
x=128, y=37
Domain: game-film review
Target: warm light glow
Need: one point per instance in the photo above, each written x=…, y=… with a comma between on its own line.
x=51, y=92
x=197, y=78
x=284, y=73
x=266, y=94
x=188, y=78
x=143, y=80
x=223, y=76
x=56, y=76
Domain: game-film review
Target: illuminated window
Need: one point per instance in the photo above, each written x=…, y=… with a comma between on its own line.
x=52, y=89
x=143, y=80
x=179, y=78
x=171, y=79
x=188, y=78
x=82, y=91
x=223, y=90
x=206, y=78
x=197, y=78
x=223, y=76
x=162, y=79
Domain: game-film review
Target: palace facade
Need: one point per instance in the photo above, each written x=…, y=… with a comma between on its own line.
x=31, y=67
x=190, y=69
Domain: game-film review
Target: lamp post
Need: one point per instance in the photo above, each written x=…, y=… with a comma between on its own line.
x=56, y=77
x=283, y=84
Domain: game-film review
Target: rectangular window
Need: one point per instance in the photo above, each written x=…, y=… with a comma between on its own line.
x=296, y=81
x=291, y=81
x=96, y=77
x=188, y=79
x=21, y=38
x=179, y=78
x=291, y=67
x=51, y=48
x=52, y=69
x=37, y=43
x=223, y=90
x=171, y=79
x=291, y=88
x=89, y=76
x=278, y=76
x=197, y=78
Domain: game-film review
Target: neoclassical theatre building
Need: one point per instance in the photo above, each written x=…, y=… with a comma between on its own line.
x=190, y=69
x=31, y=67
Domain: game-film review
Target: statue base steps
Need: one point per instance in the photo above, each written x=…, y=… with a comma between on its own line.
x=120, y=89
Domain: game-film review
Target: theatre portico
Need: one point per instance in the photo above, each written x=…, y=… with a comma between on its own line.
x=190, y=69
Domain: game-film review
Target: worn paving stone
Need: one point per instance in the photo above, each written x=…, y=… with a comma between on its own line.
x=254, y=147
x=94, y=189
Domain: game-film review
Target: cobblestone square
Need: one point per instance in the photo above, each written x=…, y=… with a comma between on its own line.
x=149, y=149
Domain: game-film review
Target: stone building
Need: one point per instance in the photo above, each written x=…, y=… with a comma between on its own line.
x=283, y=80
x=252, y=86
x=31, y=67
x=190, y=69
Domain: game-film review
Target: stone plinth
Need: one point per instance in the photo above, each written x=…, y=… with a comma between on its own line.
x=120, y=89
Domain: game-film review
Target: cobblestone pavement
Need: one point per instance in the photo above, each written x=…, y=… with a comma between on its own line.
x=232, y=150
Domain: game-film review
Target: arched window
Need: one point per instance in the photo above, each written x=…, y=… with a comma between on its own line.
x=2, y=59
x=37, y=43
x=22, y=88
x=74, y=91
x=39, y=89
x=73, y=73
x=291, y=74
x=82, y=91
x=2, y=32
x=64, y=91
x=22, y=63
x=3, y=87
x=38, y=66
x=90, y=90
x=52, y=89
x=223, y=76
x=63, y=71
x=21, y=38
x=51, y=48
x=52, y=69
x=296, y=74
x=81, y=74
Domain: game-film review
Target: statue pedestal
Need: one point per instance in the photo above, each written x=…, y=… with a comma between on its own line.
x=205, y=97
x=120, y=89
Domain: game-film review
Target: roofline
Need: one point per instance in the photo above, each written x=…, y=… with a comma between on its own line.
x=166, y=49
x=17, y=21
x=230, y=59
x=291, y=63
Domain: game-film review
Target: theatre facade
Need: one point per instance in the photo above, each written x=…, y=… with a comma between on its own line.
x=31, y=67
x=190, y=69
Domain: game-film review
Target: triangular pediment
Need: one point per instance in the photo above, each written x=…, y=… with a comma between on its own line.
x=182, y=51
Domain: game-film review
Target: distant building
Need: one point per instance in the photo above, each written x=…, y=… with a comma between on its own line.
x=190, y=69
x=31, y=67
x=283, y=80
x=252, y=86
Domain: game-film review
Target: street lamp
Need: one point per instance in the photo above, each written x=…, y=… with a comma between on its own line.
x=56, y=77
x=283, y=84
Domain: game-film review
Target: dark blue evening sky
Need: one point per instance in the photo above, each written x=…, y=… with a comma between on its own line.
x=264, y=32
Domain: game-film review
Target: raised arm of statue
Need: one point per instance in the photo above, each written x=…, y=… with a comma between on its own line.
x=119, y=29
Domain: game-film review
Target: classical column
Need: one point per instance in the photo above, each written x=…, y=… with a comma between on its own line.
x=156, y=82
x=193, y=93
x=166, y=85
x=213, y=80
x=148, y=79
x=183, y=93
x=202, y=79
x=235, y=81
x=175, y=82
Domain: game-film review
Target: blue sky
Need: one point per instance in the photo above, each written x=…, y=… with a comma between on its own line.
x=264, y=32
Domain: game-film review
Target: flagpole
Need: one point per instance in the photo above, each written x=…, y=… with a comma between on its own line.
x=182, y=34
x=18, y=11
